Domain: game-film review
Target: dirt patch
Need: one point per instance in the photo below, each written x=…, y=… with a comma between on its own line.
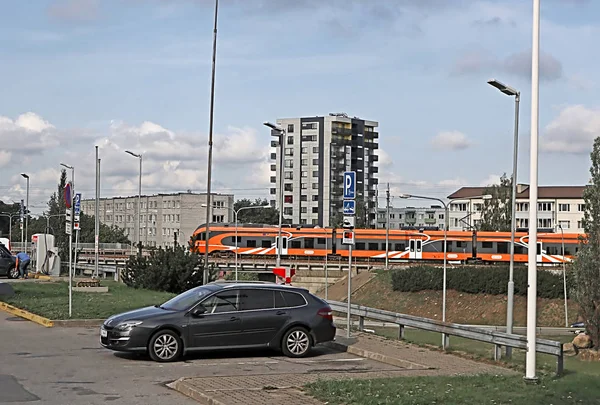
x=339, y=290
x=481, y=309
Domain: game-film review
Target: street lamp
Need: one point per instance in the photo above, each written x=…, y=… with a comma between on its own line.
x=564, y=274
x=139, y=209
x=26, y=210
x=71, y=238
x=513, y=225
x=280, y=133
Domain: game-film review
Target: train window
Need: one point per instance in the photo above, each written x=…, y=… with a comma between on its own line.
x=539, y=249
x=400, y=247
x=309, y=243
x=239, y=239
x=519, y=250
x=266, y=243
x=360, y=246
x=284, y=243
x=250, y=243
x=321, y=241
x=373, y=246
x=389, y=246
x=296, y=244
x=503, y=247
x=487, y=245
x=461, y=244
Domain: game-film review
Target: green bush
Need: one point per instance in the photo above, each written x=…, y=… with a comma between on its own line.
x=170, y=269
x=475, y=280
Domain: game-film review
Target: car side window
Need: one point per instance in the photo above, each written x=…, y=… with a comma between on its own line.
x=226, y=301
x=289, y=300
x=254, y=299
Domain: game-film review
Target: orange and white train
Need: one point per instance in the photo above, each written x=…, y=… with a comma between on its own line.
x=404, y=245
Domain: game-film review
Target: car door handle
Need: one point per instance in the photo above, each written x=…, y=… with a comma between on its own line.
x=234, y=318
x=281, y=312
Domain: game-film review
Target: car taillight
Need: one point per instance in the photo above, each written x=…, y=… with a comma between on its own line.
x=326, y=313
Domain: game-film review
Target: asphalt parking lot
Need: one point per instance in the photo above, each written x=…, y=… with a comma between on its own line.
x=57, y=366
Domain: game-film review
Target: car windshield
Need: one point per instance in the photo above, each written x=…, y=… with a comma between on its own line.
x=186, y=300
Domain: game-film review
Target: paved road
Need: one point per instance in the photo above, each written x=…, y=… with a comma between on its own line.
x=57, y=366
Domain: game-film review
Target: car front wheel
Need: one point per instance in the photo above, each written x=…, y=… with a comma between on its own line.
x=165, y=346
x=13, y=273
x=296, y=342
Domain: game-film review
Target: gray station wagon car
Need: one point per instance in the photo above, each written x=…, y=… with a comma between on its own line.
x=8, y=262
x=224, y=316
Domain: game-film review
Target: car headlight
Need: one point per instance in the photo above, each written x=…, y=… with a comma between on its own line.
x=128, y=325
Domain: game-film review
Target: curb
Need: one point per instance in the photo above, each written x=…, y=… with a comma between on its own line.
x=78, y=323
x=188, y=390
x=27, y=315
x=382, y=358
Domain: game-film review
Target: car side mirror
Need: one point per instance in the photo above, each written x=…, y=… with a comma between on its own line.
x=199, y=310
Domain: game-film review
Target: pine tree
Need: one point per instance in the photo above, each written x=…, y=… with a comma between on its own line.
x=586, y=271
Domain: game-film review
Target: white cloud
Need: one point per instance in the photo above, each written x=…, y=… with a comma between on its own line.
x=453, y=140
x=28, y=133
x=5, y=157
x=490, y=180
x=572, y=131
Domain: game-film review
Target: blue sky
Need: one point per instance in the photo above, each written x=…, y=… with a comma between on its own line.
x=136, y=74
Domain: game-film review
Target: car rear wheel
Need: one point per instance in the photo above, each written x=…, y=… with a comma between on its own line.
x=296, y=342
x=165, y=346
x=13, y=272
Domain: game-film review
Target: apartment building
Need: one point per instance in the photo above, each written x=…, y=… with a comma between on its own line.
x=557, y=205
x=164, y=217
x=427, y=218
x=317, y=151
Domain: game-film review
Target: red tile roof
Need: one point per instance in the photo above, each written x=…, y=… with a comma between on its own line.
x=564, y=192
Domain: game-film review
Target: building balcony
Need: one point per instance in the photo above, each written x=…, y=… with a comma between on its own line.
x=429, y=220
x=374, y=169
x=273, y=156
x=273, y=168
x=410, y=220
x=274, y=144
x=372, y=134
x=341, y=131
x=374, y=158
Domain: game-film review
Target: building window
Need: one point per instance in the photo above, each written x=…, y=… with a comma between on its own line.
x=315, y=186
x=289, y=151
x=288, y=187
x=290, y=128
x=564, y=224
x=315, y=197
x=289, y=164
x=304, y=174
x=288, y=211
x=304, y=162
x=523, y=223
x=316, y=162
x=304, y=149
x=544, y=223
x=273, y=191
x=290, y=140
x=581, y=207
x=459, y=207
x=315, y=222
x=304, y=186
x=524, y=207
x=219, y=204
x=580, y=224
x=303, y=197
x=564, y=207
x=177, y=217
x=289, y=175
x=218, y=218
x=478, y=207
x=288, y=199
x=441, y=216
x=309, y=125
x=303, y=210
x=545, y=206
x=315, y=149
x=316, y=173
x=315, y=210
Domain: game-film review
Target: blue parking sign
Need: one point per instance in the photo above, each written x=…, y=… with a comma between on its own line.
x=349, y=185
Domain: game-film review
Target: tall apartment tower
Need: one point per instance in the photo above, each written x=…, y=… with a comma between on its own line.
x=317, y=151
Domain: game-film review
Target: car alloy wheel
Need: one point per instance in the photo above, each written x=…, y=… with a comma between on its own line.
x=298, y=342
x=13, y=273
x=166, y=347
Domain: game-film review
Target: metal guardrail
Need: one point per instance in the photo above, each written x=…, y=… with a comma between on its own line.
x=498, y=339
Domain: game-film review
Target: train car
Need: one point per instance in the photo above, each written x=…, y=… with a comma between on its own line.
x=404, y=245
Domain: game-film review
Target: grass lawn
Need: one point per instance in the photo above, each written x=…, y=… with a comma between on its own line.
x=484, y=389
x=51, y=300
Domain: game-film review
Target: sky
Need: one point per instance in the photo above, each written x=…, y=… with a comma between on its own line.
x=135, y=75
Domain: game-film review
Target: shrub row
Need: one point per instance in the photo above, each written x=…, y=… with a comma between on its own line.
x=475, y=280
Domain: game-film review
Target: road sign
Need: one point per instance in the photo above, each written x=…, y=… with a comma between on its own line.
x=68, y=228
x=68, y=197
x=348, y=222
x=348, y=238
x=77, y=205
x=68, y=215
x=349, y=185
x=349, y=207
x=76, y=226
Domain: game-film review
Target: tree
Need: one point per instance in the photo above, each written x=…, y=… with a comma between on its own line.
x=5, y=220
x=586, y=272
x=496, y=212
x=361, y=217
x=267, y=216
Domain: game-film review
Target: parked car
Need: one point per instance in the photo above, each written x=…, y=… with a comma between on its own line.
x=224, y=315
x=8, y=263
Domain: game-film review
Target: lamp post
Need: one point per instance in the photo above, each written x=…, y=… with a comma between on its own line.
x=444, y=336
x=71, y=238
x=533, y=198
x=280, y=133
x=139, y=204
x=513, y=223
x=387, y=227
x=564, y=274
x=26, y=211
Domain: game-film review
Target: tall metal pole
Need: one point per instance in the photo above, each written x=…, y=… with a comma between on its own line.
x=564, y=276
x=446, y=213
x=326, y=271
x=22, y=219
x=236, y=244
x=533, y=197
x=349, y=288
x=27, y=216
x=513, y=228
x=210, y=145
x=139, y=212
x=97, y=215
x=387, y=228
x=279, y=241
x=71, y=246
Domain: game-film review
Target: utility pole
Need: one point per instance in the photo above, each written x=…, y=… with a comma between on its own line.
x=96, y=216
x=387, y=228
x=210, y=145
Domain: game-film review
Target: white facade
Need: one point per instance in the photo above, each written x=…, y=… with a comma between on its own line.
x=412, y=218
x=317, y=150
x=164, y=216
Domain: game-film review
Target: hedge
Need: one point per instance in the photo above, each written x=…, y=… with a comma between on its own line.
x=476, y=280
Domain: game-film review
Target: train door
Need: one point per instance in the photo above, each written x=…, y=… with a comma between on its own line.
x=284, y=244
x=539, y=252
x=415, y=249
